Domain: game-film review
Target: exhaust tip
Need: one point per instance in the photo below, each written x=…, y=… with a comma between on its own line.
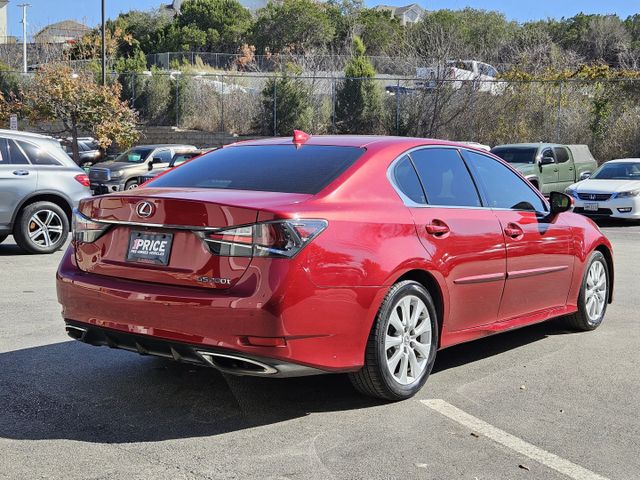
x=237, y=365
x=77, y=333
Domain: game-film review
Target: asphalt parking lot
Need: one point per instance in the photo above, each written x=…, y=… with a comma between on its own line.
x=538, y=403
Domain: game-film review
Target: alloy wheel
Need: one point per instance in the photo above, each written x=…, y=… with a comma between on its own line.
x=408, y=340
x=596, y=292
x=45, y=228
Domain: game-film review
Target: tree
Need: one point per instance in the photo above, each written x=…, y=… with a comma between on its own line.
x=207, y=25
x=293, y=26
x=292, y=109
x=378, y=30
x=73, y=103
x=359, y=102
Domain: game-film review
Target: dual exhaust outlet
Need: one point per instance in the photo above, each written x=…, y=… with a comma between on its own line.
x=227, y=363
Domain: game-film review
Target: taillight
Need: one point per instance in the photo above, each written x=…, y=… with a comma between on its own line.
x=86, y=230
x=83, y=179
x=278, y=239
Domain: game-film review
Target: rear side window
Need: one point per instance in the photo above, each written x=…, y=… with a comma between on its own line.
x=37, y=155
x=267, y=168
x=502, y=187
x=445, y=178
x=562, y=155
x=16, y=155
x=407, y=181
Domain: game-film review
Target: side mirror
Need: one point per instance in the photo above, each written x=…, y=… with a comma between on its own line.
x=585, y=175
x=560, y=202
x=547, y=161
x=150, y=164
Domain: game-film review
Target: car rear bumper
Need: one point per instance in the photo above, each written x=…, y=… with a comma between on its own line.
x=227, y=361
x=305, y=325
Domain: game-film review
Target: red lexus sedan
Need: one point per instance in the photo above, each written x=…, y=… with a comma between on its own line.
x=329, y=254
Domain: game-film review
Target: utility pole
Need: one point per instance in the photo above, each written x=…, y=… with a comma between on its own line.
x=24, y=7
x=104, y=47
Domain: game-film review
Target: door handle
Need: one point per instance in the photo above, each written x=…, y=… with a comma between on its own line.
x=437, y=228
x=555, y=169
x=21, y=173
x=513, y=231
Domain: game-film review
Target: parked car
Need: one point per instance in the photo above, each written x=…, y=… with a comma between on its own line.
x=329, y=254
x=613, y=190
x=178, y=159
x=457, y=73
x=549, y=166
x=39, y=187
x=123, y=172
x=88, y=150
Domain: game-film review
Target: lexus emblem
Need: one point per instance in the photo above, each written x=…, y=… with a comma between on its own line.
x=145, y=209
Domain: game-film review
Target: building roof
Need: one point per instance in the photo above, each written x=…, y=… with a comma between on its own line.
x=175, y=6
x=395, y=10
x=65, y=29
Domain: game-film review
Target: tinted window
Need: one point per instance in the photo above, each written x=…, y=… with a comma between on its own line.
x=407, y=181
x=15, y=154
x=516, y=154
x=548, y=153
x=445, y=178
x=180, y=158
x=268, y=168
x=162, y=156
x=502, y=187
x=38, y=155
x=562, y=155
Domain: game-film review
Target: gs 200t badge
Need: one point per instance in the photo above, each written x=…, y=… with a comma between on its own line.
x=214, y=280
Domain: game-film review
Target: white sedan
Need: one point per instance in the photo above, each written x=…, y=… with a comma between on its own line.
x=613, y=190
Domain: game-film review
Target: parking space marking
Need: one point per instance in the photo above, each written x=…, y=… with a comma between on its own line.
x=512, y=442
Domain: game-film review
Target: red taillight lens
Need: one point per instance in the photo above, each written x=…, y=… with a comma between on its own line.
x=279, y=239
x=82, y=179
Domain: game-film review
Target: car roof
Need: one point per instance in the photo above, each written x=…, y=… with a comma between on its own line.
x=623, y=160
x=528, y=145
x=165, y=145
x=23, y=134
x=359, y=141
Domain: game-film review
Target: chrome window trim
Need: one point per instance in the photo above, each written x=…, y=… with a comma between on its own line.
x=411, y=204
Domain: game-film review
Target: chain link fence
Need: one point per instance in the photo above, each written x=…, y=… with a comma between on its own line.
x=605, y=114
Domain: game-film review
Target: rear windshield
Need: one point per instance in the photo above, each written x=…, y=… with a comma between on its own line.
x=516, y=155
x=267, y=168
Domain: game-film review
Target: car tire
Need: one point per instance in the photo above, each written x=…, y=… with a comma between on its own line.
x=131, y=184
x=3, y=238
x=398, y=361
x=41, y=227
x=594, y=295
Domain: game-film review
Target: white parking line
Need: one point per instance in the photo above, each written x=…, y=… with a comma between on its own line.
x=514, y=443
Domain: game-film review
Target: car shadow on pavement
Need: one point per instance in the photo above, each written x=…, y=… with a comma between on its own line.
x=77, y=392
x=11, y=250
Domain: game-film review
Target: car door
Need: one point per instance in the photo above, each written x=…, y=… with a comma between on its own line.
x=539, y=247
x=463, y=240
x=548, y=173
x=566, y=168
x=18, y=179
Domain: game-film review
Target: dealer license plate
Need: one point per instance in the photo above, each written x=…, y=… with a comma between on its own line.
x=147, y=247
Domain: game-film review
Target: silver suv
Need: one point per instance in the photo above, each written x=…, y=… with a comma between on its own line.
x=39, y=187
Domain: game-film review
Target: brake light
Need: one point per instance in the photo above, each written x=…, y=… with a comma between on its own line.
x=278, y=239
x=83, y=179
x=86, y=230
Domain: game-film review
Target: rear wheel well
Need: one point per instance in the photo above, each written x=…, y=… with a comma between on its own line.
x=609, y=258
x=48, y=197
x=429, y=282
